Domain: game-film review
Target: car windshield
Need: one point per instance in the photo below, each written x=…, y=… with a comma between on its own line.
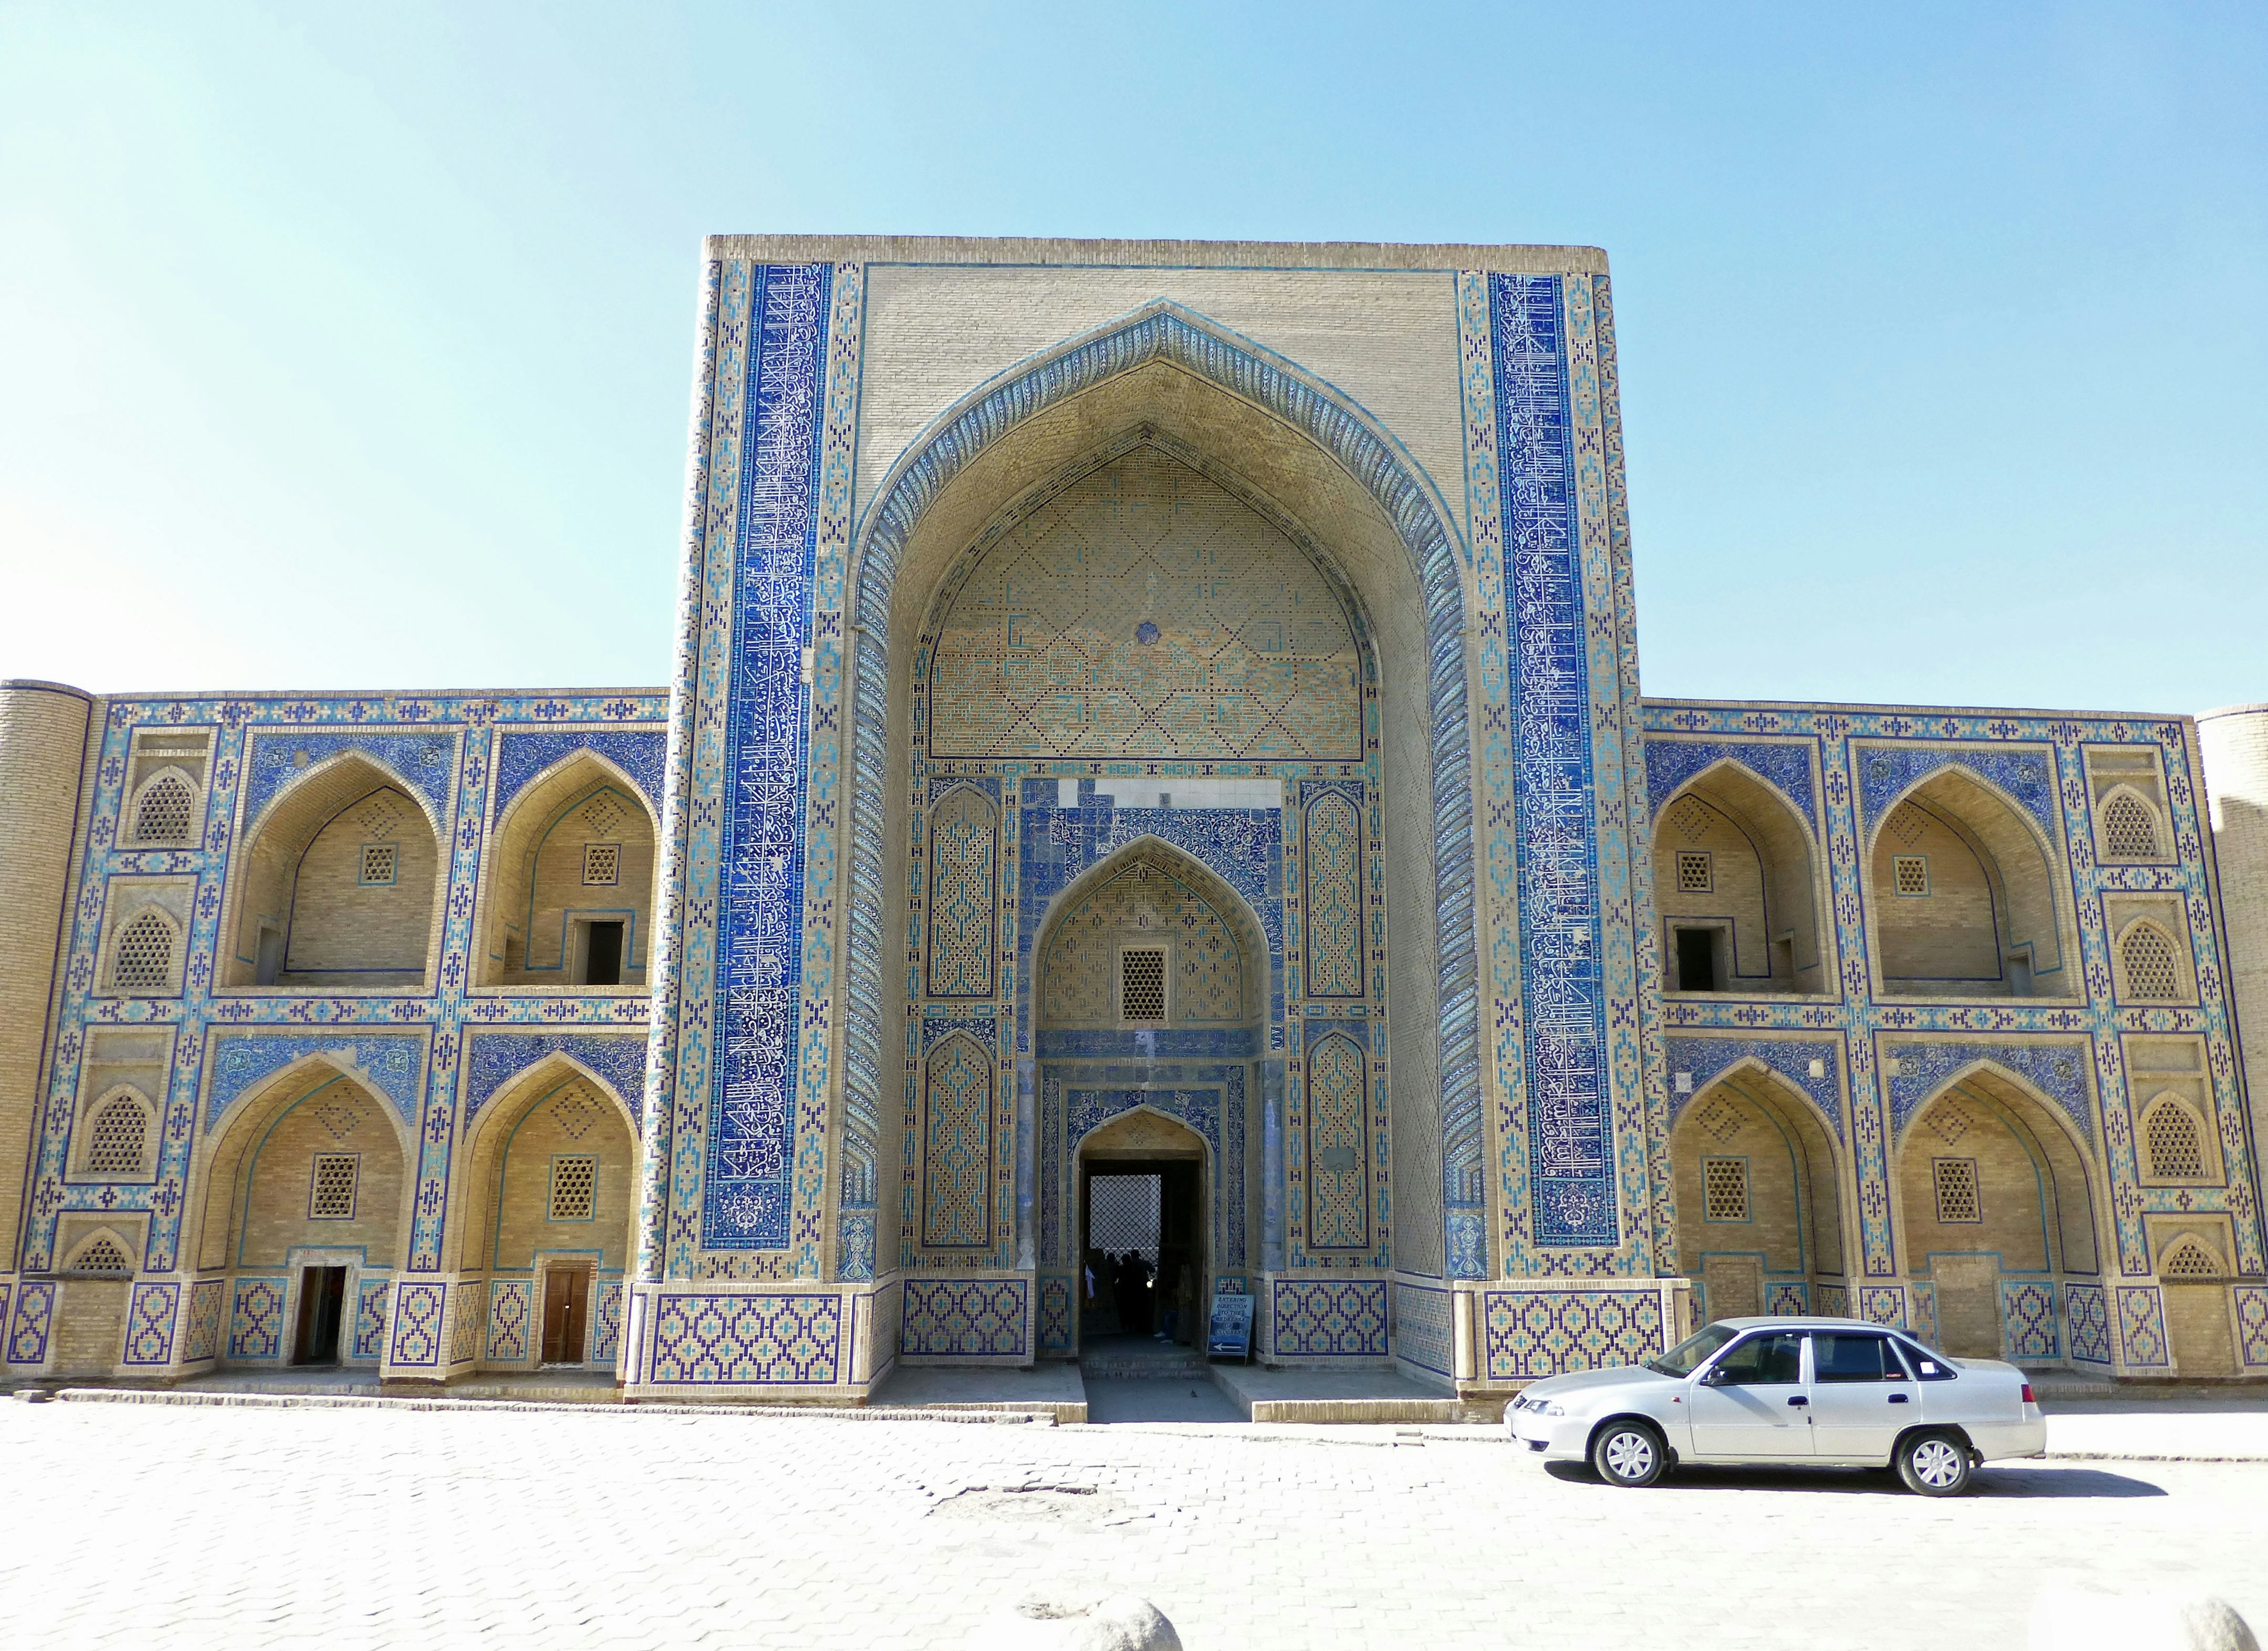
x=1686, y=1356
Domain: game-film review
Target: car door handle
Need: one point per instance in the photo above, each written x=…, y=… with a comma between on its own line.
x=1799, y=1399
x=1899, y=1398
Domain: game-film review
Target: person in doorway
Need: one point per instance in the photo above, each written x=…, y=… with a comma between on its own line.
x=1169, y=1294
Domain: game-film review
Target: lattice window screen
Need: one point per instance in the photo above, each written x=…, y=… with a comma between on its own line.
x=2189, y=1259
x=602, y=862
x=1725, y=1189
x=116, y=1138
x=1693, y=872
x=102, y=1255
x=574, y=1187
x=2151, y=971
x=379, y=860
x=1142, y=983
x=1122, y=1214
x=2177, y=1152
x=163, y=814
x=332, y=1186
x=144, y=956
x=1910, y=873
x=2130, y=831
x=1957, y=1199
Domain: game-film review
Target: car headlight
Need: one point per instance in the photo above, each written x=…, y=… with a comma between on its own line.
x=1538, y=1406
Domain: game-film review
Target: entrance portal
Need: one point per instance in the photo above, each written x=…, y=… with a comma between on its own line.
x=566, y=1305
x=1144, y=1267
x=322, y=1305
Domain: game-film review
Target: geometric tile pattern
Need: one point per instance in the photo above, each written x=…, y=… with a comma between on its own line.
x=508, y=1314
x=1055, y=1313
x=1548, y=1332
x=978, y=1317
x=1331, y=926
x=27, y=1330
x=492, y=1059
x=467, y=1313
x=370, y=1318
x=149, y=1316
x=1337, y=1167
x=2028, y=1320
x=1702, y=1059
x=2058, y=1071
x=1328, y=1318
x=256, y=1327
x=746, y=1340
x=1422, y=1331
x=388, y=1065
x=417, y=1324
x=203, y=1340
x=956, y=1145
x=1144, y=610
x=2252, y=1324
x=2142, y=1325
x=1671, y=763
x=420, y=761
x=961, y=847
x=638, y=753
x=1787, y=1298
x=2087, y=1306
x=607, y=1337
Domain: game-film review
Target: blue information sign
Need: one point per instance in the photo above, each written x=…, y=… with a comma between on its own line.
x=1230, y=1334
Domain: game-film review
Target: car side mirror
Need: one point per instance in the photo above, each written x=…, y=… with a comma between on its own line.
x=1714, y=1378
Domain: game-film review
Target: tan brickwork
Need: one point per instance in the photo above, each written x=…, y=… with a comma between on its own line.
x=337, y=1117
x=90, y=1332
x=2233, y=744
x=43, y=734
x=534, y=889
x=572, y=1122
x=1792, y=1231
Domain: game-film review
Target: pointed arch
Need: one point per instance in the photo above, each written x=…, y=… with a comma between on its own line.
x=1977, y=908
x=958, y=1084
x=541, y=888
x=2176, y=1146
x=1757, y=1179
x=1208, y=885
x=1325, y=463
x=165, y=808
x=103, y=1253
x=2188, y=1256
x=146, y=953
x=1736, y=862
x=2128, y=826
x=962, y=889
x=2151, y=965
x=337, y=883
x=118, y=1134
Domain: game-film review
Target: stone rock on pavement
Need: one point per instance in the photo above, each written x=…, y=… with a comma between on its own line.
x=1077, y=1622
x=2079, y=1619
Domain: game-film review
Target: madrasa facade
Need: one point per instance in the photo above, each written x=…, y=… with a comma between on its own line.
x=1141, y=711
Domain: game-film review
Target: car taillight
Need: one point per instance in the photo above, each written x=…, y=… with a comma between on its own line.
x=2029, y=1399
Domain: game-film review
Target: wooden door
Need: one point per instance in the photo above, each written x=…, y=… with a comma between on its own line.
x=566, y=1304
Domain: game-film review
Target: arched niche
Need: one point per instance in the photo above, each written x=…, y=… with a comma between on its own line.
x=1757, y=1183
x=336, y=889
x=1736, y=889
x=547, y=1208
x=1381, y=531
x=306, y=1214
x=569, y=881
x=1963, y=897
x=1143, y=1156
x=1198, y=1066
x=1993, y=1189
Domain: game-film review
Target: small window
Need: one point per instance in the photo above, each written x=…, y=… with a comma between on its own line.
x=378, y=863
x=162, y=816
x=103, y=1256
x=116, y=1138
x=574, y=1187
x=2152, y=974
x=332, y=1188
x=1725, y=1189
x=1762, y=1360
x=2130, y=831
x=602, y=863
x=1142, y=983
x=1955, y=1180
x=1854, y=1358
x=1910, y=873
x=1694, y=874
x=2189, y=1259
x=2176, y=1149
x=144, y=955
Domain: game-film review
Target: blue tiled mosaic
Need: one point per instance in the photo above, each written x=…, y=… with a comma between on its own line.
x=1704, y=1058
x=1671, y=763
x=1885, y=773
x=521, y=756
x=388, y=1065
x=2058, y=1071
x=494, y=1058
x=423, y=760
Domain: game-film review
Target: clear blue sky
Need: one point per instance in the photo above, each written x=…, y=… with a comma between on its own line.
x=350, y=346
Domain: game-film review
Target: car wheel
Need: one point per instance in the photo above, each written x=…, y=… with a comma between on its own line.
x=1628, y=1454
x=1935, y=1464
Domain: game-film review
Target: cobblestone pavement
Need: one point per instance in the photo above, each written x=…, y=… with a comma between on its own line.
x=166, y=1525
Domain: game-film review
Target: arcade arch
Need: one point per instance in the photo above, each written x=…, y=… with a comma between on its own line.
x=1993, y=1192
x=338, y=887
x=307, y=1197
x=1735, y=883
x=1961, y=896
x=569, y=898
x=548, y=1211
x=1759, y=1207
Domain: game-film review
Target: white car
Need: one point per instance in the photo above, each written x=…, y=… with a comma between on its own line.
x=1827, y=1393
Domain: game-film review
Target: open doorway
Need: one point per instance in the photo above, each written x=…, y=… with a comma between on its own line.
x=322, y=1308
x=1143, y=1240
